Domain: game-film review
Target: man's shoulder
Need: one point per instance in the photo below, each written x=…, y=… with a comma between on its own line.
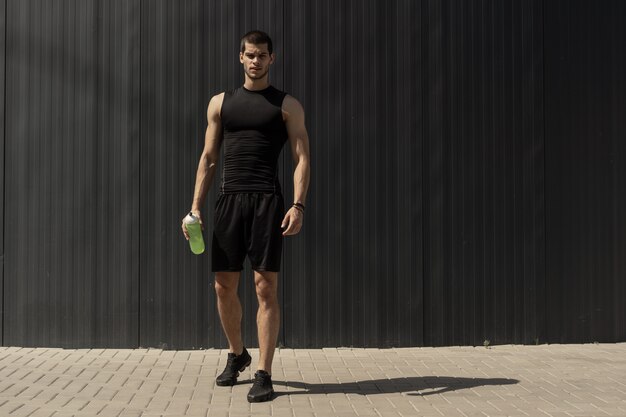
x=292, y=109
x=291, y=104
x=215, y=104
x=218, y=96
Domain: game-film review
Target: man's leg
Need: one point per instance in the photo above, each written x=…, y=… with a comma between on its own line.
x=229, y=307
x=268, y=317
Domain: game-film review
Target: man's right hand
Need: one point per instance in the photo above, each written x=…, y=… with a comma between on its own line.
x=184, y=227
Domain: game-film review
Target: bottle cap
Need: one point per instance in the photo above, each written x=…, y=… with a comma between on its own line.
x=191, y=219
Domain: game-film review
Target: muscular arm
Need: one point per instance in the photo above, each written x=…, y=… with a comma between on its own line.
x=210, y=154
x=299, y=140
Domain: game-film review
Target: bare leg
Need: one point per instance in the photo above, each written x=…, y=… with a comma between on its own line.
x=229, y=307
x=268, y=316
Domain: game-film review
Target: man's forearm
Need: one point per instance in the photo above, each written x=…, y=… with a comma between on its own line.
x=204, y=178
x=301, y=181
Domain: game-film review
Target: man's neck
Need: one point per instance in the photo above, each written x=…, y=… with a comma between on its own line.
x=261, y=84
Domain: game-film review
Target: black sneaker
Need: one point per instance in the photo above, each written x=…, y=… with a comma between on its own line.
x=234, y=365
x=262, y=389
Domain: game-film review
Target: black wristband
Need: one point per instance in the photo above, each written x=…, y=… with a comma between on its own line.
x=299, y=207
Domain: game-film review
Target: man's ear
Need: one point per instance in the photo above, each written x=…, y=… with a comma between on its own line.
x=241, y=57
x=273, y=55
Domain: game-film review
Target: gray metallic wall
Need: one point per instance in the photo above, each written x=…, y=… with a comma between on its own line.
x=468, y=178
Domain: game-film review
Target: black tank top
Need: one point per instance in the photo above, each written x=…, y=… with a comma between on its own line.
x=254, y=134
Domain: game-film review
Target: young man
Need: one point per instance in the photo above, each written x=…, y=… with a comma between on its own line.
x=257, y=119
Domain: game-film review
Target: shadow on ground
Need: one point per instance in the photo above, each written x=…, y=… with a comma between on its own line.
x=424, y=385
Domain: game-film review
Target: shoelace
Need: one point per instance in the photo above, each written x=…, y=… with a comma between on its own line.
x=259, y=379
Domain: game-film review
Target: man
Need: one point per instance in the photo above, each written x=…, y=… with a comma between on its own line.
x=256, y=120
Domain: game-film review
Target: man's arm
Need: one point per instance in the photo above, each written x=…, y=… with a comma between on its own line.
x=293, y=114
x=210, y=154
x=299, y=140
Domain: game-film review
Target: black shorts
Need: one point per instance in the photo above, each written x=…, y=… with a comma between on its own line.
x=247, y=223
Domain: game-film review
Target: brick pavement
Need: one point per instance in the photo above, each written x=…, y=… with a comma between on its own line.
x=544, y=380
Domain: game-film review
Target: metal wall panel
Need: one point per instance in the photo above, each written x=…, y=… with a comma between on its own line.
x=483, y=172
x=190, y=52
x=71, y=220
x=353, y=276
x=456, y=195
x=585, y=99
x=173, y=95
x=2, y=158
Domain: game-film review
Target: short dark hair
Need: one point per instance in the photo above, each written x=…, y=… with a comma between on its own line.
x=256, y=37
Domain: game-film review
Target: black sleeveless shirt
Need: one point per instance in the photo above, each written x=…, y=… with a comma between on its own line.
x=254, y=135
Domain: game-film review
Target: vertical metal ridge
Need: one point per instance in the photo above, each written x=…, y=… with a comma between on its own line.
x=4, y=176
x=424, y=45
x=138, y=223
x=618, y=128
x=545, y=171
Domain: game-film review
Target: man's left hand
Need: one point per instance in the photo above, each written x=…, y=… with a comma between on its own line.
x=293, y=221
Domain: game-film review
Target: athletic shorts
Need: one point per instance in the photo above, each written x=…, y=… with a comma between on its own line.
x=247, y=223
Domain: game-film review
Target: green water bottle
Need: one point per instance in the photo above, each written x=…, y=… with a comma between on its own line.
x=194, y=229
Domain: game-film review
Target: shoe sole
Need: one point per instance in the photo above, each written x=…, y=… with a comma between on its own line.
x=233, y=381
x=259, y=399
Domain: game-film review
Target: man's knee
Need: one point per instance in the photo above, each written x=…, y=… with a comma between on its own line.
x=226, y=283
x=266, y=283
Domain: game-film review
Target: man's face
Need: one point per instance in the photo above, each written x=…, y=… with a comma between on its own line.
x=256, y=60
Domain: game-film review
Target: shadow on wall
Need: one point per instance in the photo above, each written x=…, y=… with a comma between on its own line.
x=426, y=385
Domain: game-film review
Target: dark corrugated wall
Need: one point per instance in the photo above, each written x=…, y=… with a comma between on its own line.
x=585, y=99
x=354, y=276
x=71, y=201
x=2, y=158
x=467, y=184
x=483, y=168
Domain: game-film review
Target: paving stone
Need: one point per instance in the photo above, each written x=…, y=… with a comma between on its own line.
x=42, y=412
x=544, y=380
